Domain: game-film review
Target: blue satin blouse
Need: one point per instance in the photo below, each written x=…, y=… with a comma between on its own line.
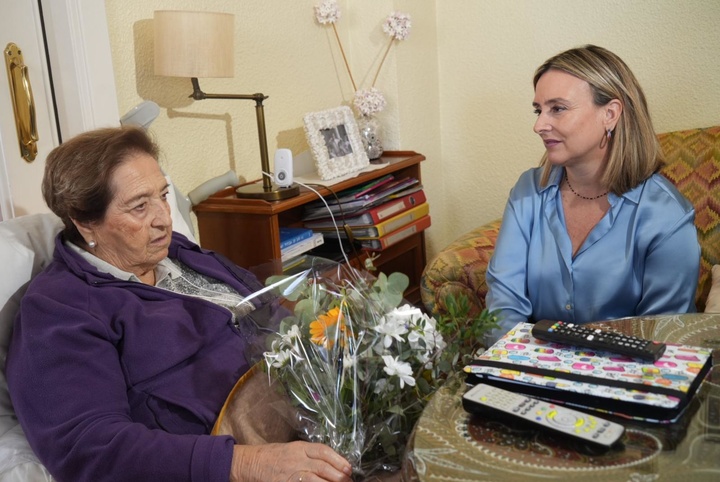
x=642, y=257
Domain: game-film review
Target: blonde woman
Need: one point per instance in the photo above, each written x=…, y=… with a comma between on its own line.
x=595, y=232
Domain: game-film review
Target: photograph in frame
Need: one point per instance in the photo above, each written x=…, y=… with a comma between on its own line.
x=335, y=142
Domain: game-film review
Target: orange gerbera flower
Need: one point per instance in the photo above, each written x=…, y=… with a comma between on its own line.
x=327, y=328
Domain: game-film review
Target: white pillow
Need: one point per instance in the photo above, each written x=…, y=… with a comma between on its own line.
x=26, y=247
x=180, y=211
x=713, y=300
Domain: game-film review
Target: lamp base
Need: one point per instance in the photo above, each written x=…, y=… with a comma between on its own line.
x=256, y=191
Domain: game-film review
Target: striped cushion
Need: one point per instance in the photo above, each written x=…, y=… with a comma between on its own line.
x=693, y=165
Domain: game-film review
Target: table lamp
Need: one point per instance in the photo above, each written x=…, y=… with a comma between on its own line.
x=200, y=44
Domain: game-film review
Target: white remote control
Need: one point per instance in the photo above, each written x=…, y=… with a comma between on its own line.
x=597, y=433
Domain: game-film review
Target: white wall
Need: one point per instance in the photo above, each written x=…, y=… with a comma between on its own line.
x=459, y=88
x=488, y=52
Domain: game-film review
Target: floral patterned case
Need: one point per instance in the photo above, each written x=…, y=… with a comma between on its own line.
x=598, y=380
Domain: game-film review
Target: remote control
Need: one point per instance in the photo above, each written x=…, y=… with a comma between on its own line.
x=596, y=433
x=572, y=334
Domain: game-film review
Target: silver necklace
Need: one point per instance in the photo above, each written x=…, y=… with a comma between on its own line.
x=580, y=195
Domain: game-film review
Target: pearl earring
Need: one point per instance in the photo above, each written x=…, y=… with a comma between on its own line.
x=92, y=244
x=606, y=138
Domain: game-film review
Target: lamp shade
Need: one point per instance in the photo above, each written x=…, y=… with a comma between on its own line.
x=193, y=44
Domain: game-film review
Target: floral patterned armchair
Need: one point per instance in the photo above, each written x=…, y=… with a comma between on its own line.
x=693, y=165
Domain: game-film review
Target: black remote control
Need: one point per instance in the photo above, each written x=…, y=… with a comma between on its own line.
x=595, y=433
x=577, y=335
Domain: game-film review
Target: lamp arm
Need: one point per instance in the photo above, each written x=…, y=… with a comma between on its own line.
x=198, y=94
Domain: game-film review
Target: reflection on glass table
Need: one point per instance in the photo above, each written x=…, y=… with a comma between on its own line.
x=450, y=444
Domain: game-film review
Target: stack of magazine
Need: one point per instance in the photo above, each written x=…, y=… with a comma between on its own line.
x=379, y=213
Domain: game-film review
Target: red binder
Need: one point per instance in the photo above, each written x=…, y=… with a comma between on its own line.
x=396, y=236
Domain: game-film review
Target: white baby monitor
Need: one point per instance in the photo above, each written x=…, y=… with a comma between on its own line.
x=283, y=167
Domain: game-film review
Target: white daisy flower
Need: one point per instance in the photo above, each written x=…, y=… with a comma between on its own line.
x=400, y=369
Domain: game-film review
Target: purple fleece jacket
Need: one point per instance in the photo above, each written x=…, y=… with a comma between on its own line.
x=114, y=380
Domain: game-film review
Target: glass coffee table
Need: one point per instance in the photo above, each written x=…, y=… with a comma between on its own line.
x=450, y=445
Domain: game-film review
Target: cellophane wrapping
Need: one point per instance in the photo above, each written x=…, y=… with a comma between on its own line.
x=354, y=358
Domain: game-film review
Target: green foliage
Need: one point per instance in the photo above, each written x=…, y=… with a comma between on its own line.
x=388, y=291
x=463, y=333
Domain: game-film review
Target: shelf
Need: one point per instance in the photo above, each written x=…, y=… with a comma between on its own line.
x=247, y=231
x=227, y=200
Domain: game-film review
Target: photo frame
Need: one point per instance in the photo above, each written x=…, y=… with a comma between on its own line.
x=335, y=142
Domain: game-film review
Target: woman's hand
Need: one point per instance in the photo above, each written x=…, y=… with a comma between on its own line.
x=288, y=462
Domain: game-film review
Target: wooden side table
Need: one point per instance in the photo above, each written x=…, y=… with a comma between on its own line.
x=247, y=231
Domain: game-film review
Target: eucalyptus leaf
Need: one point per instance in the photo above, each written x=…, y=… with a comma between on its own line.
x=286, y=324
x=305, y=310
x=398, y=282
x=381, y=282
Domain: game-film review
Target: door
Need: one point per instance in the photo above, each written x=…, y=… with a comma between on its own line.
x=73, y=93
x=20, y=25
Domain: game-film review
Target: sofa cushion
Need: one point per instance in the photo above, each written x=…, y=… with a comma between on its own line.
x=693, y=166
x=459, y=269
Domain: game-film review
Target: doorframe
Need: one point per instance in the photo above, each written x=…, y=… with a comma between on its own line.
x=81, y=64
x=6, y=206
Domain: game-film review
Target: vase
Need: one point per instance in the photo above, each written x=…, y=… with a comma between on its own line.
x=371, y=135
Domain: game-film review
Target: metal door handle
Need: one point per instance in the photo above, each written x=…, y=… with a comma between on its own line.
x=23, y=102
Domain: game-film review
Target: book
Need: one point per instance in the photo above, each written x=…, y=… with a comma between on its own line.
x=396, y=236
x=290, y=236
x=289, y=266
x=385, y=227
x=365, y=202
x=593, y=379
x=363, y=191
x=374, y=215
x=333, y=249
x=302, y=247
x=373, y=185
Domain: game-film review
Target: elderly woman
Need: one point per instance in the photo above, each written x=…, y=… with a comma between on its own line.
x=128, y=344
x=594, y=233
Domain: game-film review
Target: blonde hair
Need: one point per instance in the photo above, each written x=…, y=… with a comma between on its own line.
x=634, y=152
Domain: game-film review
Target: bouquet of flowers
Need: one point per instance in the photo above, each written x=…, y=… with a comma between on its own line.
x=357, y=362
